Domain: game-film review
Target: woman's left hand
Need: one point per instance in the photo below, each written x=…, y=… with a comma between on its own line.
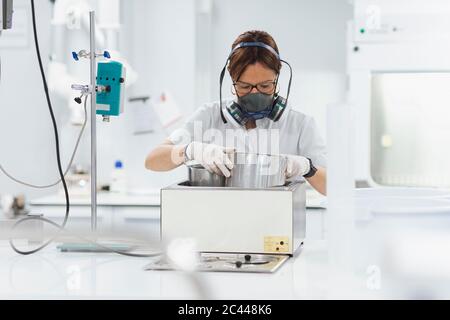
x=296, y=166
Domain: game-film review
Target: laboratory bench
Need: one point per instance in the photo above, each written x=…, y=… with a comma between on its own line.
x=51, y=274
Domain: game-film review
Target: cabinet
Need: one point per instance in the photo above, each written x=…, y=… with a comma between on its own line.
x=117, y=214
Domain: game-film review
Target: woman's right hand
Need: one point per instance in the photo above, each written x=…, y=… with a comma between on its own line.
x=213, y=157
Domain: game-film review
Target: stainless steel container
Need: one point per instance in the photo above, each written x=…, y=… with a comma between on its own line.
x=257, y=171
x=200, y=177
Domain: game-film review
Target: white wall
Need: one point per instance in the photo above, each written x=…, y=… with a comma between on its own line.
x=26, y=134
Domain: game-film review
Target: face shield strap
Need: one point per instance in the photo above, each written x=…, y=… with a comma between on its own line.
x=290, y=79
x=222, y=75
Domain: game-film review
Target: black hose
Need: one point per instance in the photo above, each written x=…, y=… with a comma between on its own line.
x=50, y=108
x=55, y=129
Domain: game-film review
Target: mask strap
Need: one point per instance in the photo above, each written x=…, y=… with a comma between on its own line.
x=222, y=75
x=276, y=85
x=290, y=80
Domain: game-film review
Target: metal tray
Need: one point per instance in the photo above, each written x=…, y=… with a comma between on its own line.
x=229, y=262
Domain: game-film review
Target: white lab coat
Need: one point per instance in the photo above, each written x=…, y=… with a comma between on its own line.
x=295, y=133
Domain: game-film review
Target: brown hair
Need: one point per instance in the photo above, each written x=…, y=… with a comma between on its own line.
x=243, y=57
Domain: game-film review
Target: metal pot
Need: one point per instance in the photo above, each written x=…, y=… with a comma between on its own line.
x=200, y=177
x=257, y=171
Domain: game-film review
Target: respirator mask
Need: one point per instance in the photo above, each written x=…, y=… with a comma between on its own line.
x=256, y=105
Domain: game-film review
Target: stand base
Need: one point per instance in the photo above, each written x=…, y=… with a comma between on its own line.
x=88, y=247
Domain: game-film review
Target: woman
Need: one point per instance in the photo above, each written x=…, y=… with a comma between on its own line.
x=258, y=120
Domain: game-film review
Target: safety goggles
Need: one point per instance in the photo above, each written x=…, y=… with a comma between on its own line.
x=243, y=88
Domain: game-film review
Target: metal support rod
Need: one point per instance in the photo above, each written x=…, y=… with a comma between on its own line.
x=93, y=124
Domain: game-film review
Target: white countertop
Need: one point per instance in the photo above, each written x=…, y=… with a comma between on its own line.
x=51, y=274
x=103, y=199
x=54, y=275
x=313, y=199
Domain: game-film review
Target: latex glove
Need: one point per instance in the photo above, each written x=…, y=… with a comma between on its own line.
x=213, y=157
x=296, y=166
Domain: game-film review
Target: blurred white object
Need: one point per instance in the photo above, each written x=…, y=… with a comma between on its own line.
x=167, y=110
x=433, y=262
x=416, y=264
x=183, y=254
x=340, y=175
x=392, y=222
x=340, y=185
x=7, y=202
